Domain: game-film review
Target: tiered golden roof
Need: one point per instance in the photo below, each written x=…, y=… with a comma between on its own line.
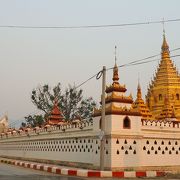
x=116, y=87
x=116, y=101
x=140, y=105
x=167, y=112
x=165, y=86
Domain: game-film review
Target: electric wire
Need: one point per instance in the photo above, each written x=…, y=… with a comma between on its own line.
x=143, y=59
x=136, y=62
x=90, y=26
x=84, y=82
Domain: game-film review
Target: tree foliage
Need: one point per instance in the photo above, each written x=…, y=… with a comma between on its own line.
x=33, y=121
x=71, y=101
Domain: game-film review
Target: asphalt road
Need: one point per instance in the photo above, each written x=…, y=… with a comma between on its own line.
x=10, y=172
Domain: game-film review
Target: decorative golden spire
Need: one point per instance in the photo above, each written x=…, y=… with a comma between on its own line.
x=115, y=55
x=115, y=70
x=139, y=94
x=116, y=86
x=165, y=46
x=140, y=106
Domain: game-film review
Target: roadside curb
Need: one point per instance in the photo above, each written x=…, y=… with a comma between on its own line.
x=84, y=172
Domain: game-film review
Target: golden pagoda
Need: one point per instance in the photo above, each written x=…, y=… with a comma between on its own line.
x=116, y=102
x=140, y=105
x=163, y=96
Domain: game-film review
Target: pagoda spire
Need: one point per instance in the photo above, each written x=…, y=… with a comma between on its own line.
x=165, y=46
x=139, y=94
x=115, y=70
x=140, y=105
x=116, y=101
x=116, y=86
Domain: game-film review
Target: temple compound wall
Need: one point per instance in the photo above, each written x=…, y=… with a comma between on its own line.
x=144, y=144
x=137, y=144
x=63, y=144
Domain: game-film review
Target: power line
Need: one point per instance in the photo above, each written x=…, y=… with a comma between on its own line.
x=175, y=49
x=138, y=63
x=143, y=59
x=132, y=63
x=84, y=82
x=89, y=26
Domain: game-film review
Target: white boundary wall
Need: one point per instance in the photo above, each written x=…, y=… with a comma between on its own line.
x=144, y=144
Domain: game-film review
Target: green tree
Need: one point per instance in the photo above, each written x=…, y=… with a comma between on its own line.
x=33, y=120
x=71, y=101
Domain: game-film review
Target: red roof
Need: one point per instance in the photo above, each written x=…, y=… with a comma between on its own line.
x=56, y=115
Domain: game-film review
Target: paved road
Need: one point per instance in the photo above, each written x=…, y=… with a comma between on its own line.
x=10, y=172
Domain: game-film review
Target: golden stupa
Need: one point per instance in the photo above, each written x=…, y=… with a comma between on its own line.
x=163, y=96
x=140, y=105
x=116, y=101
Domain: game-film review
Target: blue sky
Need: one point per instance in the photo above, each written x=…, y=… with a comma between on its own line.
x=32, y=57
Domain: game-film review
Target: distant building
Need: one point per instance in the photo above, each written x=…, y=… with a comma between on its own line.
x=4, y=124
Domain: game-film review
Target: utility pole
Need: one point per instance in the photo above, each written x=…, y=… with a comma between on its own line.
x=102, y=133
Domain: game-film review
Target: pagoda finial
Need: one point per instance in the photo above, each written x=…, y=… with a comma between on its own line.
x=115, y=55
x=115, y=70
x=165, y=46
x=163, y=27
x=139, y=81
x=139, y=94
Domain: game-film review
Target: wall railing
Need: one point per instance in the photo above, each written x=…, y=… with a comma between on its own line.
x=161, y=123
x=80, y=126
